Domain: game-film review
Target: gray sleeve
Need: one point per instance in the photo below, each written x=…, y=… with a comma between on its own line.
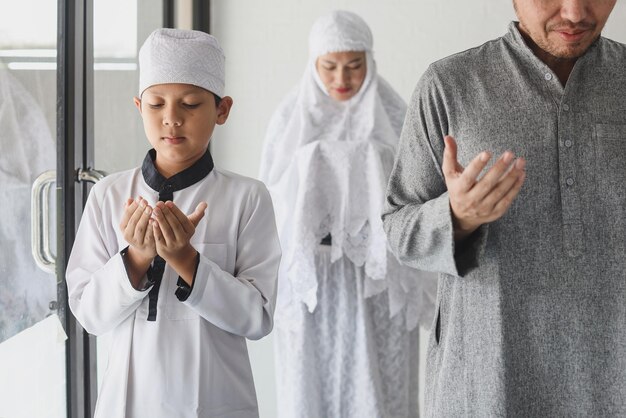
x=417, y=216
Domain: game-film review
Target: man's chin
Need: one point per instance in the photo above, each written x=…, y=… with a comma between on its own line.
x=569, y=53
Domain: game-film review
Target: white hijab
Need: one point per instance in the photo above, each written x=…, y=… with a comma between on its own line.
x=326, y=164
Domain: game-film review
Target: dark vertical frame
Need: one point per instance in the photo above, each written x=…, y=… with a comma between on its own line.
x=168, y=14
x=74, y=113
x=201, y=15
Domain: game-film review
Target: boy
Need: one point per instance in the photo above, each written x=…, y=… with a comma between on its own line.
x=179, y=293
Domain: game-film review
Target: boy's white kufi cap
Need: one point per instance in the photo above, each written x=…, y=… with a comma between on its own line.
x=182, y=56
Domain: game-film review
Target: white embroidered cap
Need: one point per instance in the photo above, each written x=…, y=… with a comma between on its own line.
x=182, y=56
x=339, y=31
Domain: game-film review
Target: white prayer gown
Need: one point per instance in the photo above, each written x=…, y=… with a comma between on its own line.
x=193, y=360
x=346, y=321
x=27, y=151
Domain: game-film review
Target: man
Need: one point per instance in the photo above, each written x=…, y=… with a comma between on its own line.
x=532, y=292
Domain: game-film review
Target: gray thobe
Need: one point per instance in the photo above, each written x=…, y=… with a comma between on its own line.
x=532, y=307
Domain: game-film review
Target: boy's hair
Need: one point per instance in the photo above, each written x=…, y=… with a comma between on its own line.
x=182, y=56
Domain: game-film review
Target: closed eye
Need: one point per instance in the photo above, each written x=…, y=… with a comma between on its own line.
x=191, y=105
x=155, y=106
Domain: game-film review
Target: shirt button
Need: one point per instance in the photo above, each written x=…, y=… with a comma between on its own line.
x=548, y=76
x=569, y=181
x=566, y=107
x=568, y=143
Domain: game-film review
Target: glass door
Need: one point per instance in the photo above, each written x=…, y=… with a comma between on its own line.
x=32, y=339
x=68, y=73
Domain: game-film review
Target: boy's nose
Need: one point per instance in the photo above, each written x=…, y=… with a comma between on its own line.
x=171, y=122
x=171, y=119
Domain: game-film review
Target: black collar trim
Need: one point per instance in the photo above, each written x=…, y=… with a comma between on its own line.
x=188, y=177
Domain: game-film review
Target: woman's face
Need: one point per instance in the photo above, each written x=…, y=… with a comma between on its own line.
x=342, y=73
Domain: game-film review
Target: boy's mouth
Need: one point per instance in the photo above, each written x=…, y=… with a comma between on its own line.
x=174, y=140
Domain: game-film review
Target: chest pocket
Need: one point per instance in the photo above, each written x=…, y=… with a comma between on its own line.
x=177, y=310
x=611, y=159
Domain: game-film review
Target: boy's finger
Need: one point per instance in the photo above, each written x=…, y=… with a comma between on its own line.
x=130, y=207
x=149, y=238
x=179, y=230
x=142, y=225
x=180, y=216
x=198, y=214
x=164, y=224
x=157, y=234
x=134, y=218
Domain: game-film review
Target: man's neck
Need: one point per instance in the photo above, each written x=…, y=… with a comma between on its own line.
x=562, y=67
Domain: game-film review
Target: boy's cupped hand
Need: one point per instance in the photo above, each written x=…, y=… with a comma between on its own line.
x=135, y=226
x=172, y=231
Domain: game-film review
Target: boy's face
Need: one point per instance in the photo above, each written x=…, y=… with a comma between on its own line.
x=179, y=120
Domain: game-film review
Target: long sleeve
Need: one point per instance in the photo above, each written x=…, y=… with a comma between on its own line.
x=243, y=303
x=100, y=293
x=417, y=216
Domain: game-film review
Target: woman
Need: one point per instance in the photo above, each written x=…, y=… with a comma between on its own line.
x=346, y=318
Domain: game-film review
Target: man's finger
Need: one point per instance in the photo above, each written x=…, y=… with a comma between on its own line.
x=493, y=177
x=501, y=189
x=469, y=177
x=450, y=162
x=504, y=203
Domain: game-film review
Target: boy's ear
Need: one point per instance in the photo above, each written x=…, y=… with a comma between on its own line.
x=137, y=101
x=223, y=109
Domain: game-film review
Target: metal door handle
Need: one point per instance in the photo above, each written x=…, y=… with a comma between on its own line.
x=40, y=214
x=90, y=175
x=40, y=222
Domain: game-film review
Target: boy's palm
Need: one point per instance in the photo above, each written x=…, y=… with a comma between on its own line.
x=173, y=230
x=135, y=226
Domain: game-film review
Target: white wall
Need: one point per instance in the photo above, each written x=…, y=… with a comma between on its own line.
x=266, y=50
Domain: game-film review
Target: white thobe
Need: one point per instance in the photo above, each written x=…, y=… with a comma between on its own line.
x=192, y=361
